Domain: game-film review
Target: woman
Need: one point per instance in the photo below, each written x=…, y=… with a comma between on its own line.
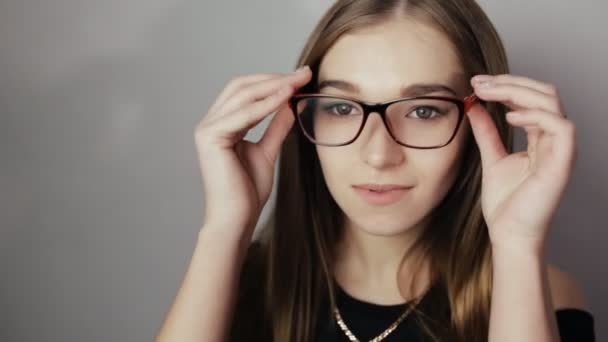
x=402, y=213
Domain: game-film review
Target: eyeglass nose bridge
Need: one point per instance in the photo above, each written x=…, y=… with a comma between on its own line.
x=379, y=108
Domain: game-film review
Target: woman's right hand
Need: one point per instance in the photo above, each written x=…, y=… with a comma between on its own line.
x=238, y=174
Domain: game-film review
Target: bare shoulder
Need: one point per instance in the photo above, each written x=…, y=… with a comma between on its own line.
x=565, y=290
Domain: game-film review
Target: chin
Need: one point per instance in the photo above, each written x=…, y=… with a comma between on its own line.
x=382, y=226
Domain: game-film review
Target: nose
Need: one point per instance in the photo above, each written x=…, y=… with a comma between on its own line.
x=377, y=147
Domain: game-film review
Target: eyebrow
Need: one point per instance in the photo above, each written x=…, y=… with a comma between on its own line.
x=417, y=89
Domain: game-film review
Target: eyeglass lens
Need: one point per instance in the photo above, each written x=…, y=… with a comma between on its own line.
x=415, y=122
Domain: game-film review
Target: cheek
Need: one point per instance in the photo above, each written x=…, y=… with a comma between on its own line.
x=439, y=168
x=332, y=161
x=335, y=165
x=436, y=169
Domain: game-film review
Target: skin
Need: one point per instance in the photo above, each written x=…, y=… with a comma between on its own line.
x=520, y=192
x=380, y=61
x=519, y=195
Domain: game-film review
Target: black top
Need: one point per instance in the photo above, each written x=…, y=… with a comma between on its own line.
x=367, y=320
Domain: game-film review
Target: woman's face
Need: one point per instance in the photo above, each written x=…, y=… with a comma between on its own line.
x=378, y=62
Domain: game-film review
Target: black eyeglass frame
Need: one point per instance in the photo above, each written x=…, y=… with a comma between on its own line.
x=464, y=106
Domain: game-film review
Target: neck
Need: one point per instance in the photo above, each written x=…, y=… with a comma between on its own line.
x=370, y=266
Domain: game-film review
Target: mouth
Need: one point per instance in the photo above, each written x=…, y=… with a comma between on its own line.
x=381, y=194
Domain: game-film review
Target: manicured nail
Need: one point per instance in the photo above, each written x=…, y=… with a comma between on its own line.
x=481, y=78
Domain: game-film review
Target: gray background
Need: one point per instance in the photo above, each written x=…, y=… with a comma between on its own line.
x=100, y=191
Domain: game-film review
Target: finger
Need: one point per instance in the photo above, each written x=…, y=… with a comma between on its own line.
x=251, y=115
x=263, y=89
x=543, y=87
x=235, y=84
x=486, y=134
x=276, y=132
x=517, y=97
x=553, y=125
x=533, y=134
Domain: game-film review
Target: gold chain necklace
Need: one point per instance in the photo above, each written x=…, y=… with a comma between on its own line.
x=385, y=333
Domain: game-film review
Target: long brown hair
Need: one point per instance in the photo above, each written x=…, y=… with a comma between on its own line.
x=295, y=255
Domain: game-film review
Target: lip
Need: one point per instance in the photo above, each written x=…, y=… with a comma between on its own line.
x=381, y=194
x=381, y=187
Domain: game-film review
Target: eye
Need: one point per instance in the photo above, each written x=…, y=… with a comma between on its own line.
x=426, y=112
x=340, y=109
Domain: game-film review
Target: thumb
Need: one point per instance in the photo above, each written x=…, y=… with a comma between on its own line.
x=486, y=134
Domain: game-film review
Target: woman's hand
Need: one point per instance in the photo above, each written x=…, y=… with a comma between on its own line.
x=238, y=174
x=521, y=191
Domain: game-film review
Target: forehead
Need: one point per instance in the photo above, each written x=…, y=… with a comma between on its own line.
x=384, y=58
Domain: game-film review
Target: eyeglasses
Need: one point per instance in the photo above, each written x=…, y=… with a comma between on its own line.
x=422, y=122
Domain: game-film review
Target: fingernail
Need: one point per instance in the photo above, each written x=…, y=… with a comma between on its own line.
x=284, y=91
x=485, y=84
x=481, y=78
x=302, y=68
x=513, y=115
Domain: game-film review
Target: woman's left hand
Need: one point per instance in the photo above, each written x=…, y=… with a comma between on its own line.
x=521, y=191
